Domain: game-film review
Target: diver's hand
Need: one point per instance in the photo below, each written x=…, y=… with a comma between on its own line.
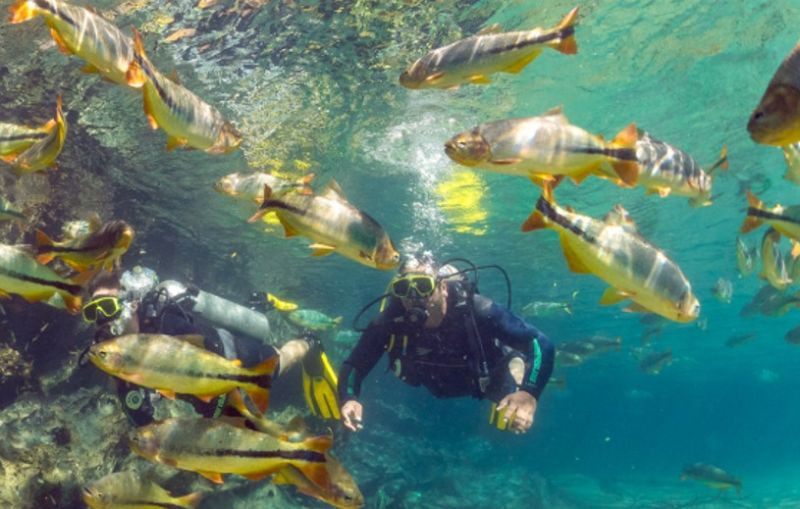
x=521, y=407
x=351, y=415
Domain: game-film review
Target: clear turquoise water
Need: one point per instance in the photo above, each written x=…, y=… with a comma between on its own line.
x=316, y=83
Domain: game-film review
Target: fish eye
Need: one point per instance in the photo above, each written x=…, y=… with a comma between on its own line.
x=102, y=354
x=758, y=115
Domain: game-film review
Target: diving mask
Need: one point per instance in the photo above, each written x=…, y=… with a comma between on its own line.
x=101, y=309
x=413, y=285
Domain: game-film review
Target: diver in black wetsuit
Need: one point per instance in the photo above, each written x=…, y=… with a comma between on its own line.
x=454, y=342
x=147, y=311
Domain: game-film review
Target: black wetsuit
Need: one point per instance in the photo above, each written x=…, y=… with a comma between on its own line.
x=174, y=321
x=444, y=359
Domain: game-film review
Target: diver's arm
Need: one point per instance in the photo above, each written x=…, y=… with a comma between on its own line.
x=362, y=359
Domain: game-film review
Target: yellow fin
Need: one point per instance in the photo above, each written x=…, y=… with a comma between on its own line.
x=167, y=393
x=333, y=191
x=519, y=65
x=479, y=79
x=89, y=69
x=288, y=230
x=148, y=111
x=214, y=477
x=174, y=142
x=575, y=264
x=434, y=78
x=494, y=28
x=62, y=46
x=613, y=296
x=321, y=249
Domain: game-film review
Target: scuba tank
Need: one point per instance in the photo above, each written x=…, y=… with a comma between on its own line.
x=220, y=312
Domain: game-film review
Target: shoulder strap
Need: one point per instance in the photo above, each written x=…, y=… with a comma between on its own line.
x=464, y=304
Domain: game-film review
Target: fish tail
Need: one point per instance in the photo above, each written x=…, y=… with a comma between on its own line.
x=622, y=151
x=22, y=11
x=722, y=162
x=317, y=473
x=43, y=245
x=566, y=42
x=72, y=302
x=751, y=222
x=264, y=204
x=544, y=208
x=135, y=74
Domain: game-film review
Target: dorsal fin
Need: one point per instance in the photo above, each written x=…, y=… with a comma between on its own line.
x=494, y=28
x=620, y=217
x=333, y=191
x=556, y=114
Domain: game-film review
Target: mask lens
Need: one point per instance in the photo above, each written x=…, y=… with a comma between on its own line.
x=107, y=307
x=424, y=285
x=401, y=287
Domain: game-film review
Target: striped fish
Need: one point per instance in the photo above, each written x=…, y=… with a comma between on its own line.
x=711, y=476
x=665, y=169
x=250, y=186
x=101, y=247
x=333, y=224
x=776, y=119
x=129, y=490
x=180, y=366
x=745, y=257
x=79, y=31
x=792, y=155
x=473, y=59
x=615, y=253
x=187, y=119
x=14, y=139
x=43, y=153
x=773, y=264
x=20, y=274
x=784, y=219
x=212, y=447
x=544, y=146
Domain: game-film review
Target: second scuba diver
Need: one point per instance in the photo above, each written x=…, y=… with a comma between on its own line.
x=137, y=303
x=440, y=333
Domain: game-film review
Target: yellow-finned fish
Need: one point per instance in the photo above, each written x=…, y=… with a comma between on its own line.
x=473, y=59
x=776, y=119
x=634, y=268
x=213, y=447
x=543, y=147
x=187, y=119
x=174, y=365
x=129, y=490
x=280, y=304
x=101, y=248
x=745, y=257
x=333, y=224
x=250, y=187
x=14, y=139
x=792, y=155
x=784, y=219
x=711, y=476
x=665, y=170
x=773, y=264
x=79, y=31
x=20, y=274
x=43, y=153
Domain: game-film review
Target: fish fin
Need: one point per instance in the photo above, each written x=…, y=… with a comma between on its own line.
x=664, y=191
x=636, y=308
x=167, y=393
x=9, y=158
x=260, y=397
x=288, y=230
x=613, y=296
x=258, y=215
x=72, y=303
x=205, y=398
x=479, y=79
x=6, y=295
x=258, y=476
x=494, y=28
x=89, y=69
x=434, y=78
x=795, y=252
x=333, y=191
x=573, y=262
x=148, y=112
x=623, y=153
x=700, y=202
x=504, y=162
x=42, y=243
x=578, y=178
x=214, y=477
x=22, y=11
x=557, y=115
x=751, y=222
x=454, y=87
x=539, y=179
x=195, y=339
x=173, y=76
x=191, y=500
x=267, y=366
x=520, y=64
x=317, y=473
x=62, y=46
x=537, y=220
x=722, y=162
x=172, y=141
x=280, y=478
x=567, y=45
x=306, y=179
x=322, y=249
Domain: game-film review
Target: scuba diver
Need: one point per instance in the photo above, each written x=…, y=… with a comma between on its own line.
x=440, y=333
x=136, y=302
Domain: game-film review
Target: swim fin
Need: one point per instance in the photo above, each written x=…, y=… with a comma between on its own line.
x=320, y=385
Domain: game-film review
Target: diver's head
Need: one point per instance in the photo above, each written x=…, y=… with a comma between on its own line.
x=420, y=290
x=115, y=299
x=469, y=148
